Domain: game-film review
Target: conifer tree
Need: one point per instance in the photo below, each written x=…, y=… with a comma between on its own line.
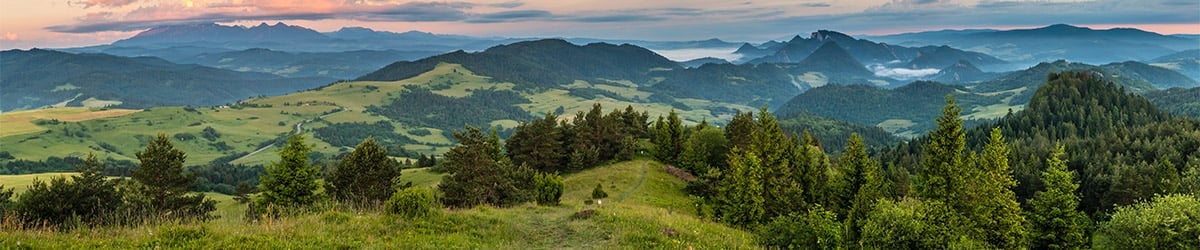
x=944, y=174
x=1054, y=221
x=537, y=144
x=996, y=213
x=98, y=195
x=164, y=185
x=291, y=181
x=480, y=173
x=774, y=151
x=740, y=196
x=865, y=185
x=739, y=129
x=366, y=176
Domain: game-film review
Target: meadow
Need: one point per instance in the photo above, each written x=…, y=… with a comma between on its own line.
x=646, y=209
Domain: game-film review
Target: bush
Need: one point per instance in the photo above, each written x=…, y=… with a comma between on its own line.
x=598, y=192
x=913, y=224
x=1166, y=222
x=548, y=188
x=411, y=202
x=817, y=229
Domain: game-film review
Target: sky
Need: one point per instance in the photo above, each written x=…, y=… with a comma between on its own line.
x=74, y=23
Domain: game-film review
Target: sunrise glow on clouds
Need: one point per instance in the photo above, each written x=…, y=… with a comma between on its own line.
x=25, y=24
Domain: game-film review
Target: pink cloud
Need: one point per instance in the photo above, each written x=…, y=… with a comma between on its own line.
x=104, y=3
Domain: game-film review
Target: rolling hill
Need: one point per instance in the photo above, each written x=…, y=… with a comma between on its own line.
x=38, y=78
x=1186, y=62
x=413, y=109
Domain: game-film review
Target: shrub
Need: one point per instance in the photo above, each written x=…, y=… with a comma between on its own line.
x=1166, y=222
x=817, y=229
x=913, y=224
x=598, y=192
x=548, y=188
x=411, y=202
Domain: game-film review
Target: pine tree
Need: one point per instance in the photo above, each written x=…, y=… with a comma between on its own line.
x=479, y=173
x=865, y=185
x=1055, y=222
x=537, y=144
x=291, y=181
x=366, y=176
x=164, y=184
x=996, y=213
x=944, y=174
x=98, y=195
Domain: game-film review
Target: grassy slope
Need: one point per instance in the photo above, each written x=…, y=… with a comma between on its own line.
x=645, y=205
x=244, y=127
x=19, y=183
x=21, y=122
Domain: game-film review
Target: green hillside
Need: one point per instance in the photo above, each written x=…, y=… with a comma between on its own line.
x=38, y=78
x=647, y=209
x=339, y=113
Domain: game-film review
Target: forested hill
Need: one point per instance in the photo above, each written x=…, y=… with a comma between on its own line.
x=1135, y=76
x=1121, y=146
x=1178, y=101
x=542, y=63
x=36, y=78
x=554, y=63
x=909, y=110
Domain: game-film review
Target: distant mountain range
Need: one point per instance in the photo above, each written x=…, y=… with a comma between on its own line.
x=1186, y=62
x=910, y=109
x=865, y=51
x=37, y=78
x=1051, y=43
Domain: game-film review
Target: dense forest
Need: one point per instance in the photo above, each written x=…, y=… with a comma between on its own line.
x=1086, y=165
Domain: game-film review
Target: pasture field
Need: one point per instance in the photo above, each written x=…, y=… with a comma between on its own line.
x=22, y=122
x=20, y=183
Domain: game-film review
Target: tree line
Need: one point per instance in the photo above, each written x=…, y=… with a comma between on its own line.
x=958, y=187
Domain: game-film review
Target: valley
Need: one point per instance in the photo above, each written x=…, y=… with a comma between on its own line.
x=217, y=134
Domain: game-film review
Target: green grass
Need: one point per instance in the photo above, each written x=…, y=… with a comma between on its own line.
x=19, y=183
x=421, y=177
x=647, y=209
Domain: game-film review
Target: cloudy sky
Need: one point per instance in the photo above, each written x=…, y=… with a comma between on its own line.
x=69, y=23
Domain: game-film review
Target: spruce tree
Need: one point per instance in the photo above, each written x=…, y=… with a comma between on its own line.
x=366, y=176
x=740, y=198
x=739, y=129
x=669, y=138
x=291, y=181
x=774, y=151
x=944, y=174
x=865, y=185
x=1054, y=221
x=995, y=211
